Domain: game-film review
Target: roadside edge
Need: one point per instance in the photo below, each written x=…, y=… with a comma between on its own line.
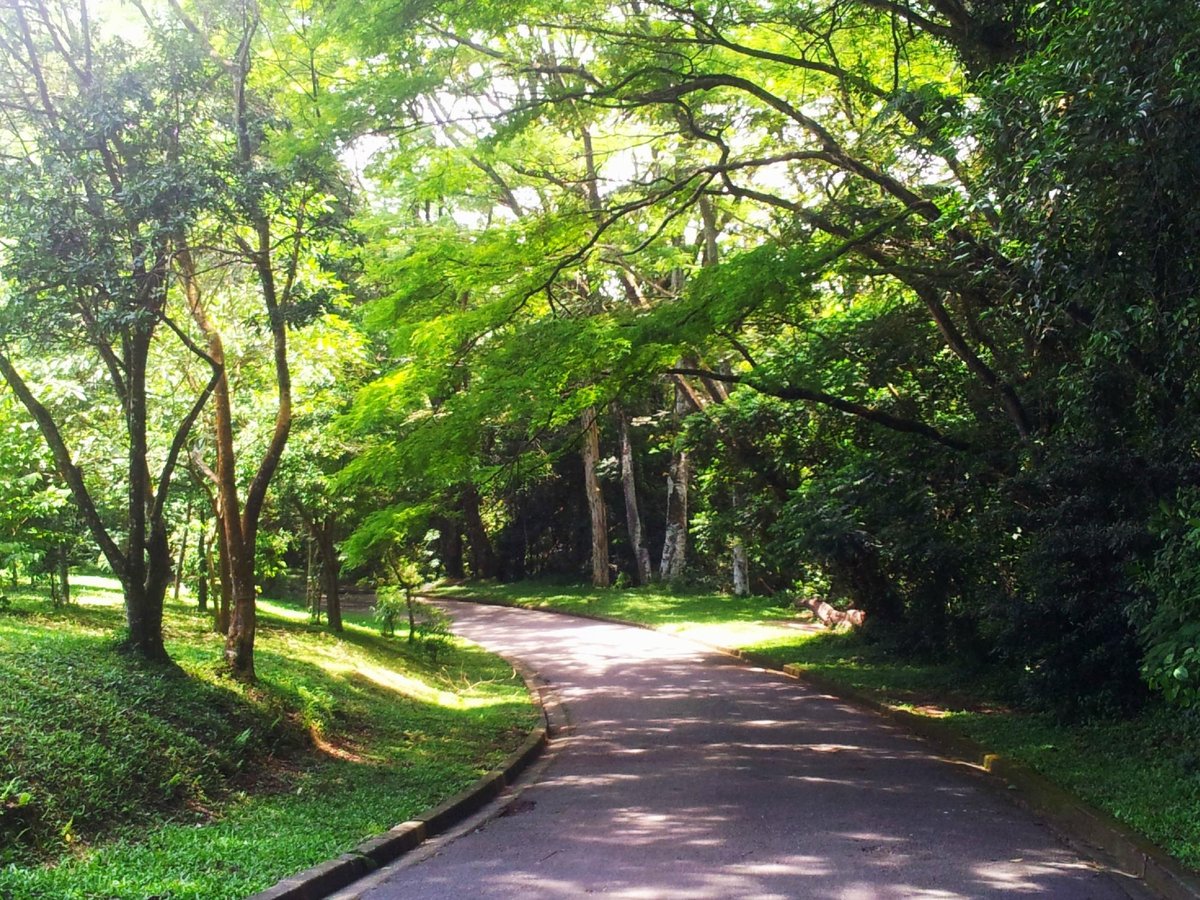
x=376, y=852
x=1091, y=830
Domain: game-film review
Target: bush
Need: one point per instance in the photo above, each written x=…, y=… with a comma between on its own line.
x=391, y=603
x=431, y=629
x=1171, y=665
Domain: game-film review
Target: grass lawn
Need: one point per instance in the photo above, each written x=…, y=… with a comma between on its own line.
x=119, y=780
x=1145, y=771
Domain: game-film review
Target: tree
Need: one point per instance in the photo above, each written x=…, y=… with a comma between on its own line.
x=104, y=161
x=331, y=363
x=284, y=202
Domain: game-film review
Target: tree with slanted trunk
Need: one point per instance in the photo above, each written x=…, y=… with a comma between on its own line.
x=106, y=156
x=285, y=203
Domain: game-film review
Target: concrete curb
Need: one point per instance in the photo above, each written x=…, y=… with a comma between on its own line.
x=1090, y=830
x=374, y=853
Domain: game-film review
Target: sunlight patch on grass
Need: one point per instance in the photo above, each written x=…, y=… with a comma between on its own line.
x=283, y=610
x=719, y=619
x=193, y=785
x=96, y=590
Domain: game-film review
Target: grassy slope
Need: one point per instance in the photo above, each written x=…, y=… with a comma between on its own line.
x=124, y=781
x=1144, y=771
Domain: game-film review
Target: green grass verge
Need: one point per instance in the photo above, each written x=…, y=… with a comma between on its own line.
x=1145, y=771
x=717, y=618
x=127, y=781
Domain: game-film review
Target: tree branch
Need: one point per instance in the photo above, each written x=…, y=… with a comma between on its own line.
x=181, y=435
x=66, y=468
x=796, y=392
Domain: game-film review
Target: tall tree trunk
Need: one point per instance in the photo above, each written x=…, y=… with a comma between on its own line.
x=513, y=542
x=591, y=430
x=202, y=566
x=237, y=522
x=595, y=498
x=450, y=547
x=148, y=563
x=633, y=516
x=331, y=570
x=483, y=557
x=183, y=545
x=741, y=568
x=312, y=579
x=741, y=561
x=243, y=619
x=62, y=564
x=224, y=608
x=674, y=555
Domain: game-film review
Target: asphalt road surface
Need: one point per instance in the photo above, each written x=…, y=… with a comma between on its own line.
x=690, y=775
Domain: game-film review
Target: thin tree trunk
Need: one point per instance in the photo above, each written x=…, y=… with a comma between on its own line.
x=674, y=555
x=183, y=545
x=333, y=597
x=633, y=516
x=595, y=498
x=224, y=608
x=312, y=582
x=741, y=560
x=237, y=556
x=202, y=567
x=62, y=563
x=331, y=569
x=238, y=522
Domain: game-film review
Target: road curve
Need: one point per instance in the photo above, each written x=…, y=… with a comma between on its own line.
x=689, y=775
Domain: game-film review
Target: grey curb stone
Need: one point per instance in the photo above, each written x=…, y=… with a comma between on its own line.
x=463, y=803
x=394, y=843
x=374, y=853
x=318, y=881
x=1092, y=831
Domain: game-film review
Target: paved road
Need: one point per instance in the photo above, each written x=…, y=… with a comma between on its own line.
x=689, y=775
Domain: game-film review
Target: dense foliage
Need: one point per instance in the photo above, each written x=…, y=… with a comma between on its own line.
x=905, y=293
x=890, y=303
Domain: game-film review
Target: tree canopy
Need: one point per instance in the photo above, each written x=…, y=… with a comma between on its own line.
x=891, y=303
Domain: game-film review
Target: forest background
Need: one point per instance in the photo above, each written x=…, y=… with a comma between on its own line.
x=894, y=304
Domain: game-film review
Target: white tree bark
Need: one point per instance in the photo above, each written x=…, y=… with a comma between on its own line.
x=674, y=555
x=633, y=516
x=741, y=560
x=595, y=499
x=741, y=568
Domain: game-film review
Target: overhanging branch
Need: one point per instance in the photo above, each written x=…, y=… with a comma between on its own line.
x=66, y=468
x=811, y=395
